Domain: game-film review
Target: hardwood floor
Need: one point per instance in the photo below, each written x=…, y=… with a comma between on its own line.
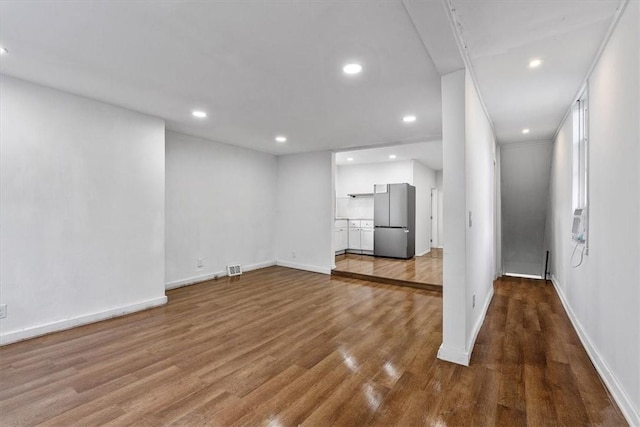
x=282, y=347
x=422, y=271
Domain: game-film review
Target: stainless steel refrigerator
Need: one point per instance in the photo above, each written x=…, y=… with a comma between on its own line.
x=394, y=218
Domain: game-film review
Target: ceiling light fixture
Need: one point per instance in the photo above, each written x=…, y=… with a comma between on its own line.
x=535, y=63
x=281, y=138
x=349, y=159
x=392, y=156
x=352, y=68
x=525, y=131
x=3, y=51
x=409, y=119
x=199, y=114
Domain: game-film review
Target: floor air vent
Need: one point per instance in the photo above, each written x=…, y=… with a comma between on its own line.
x=234, y=270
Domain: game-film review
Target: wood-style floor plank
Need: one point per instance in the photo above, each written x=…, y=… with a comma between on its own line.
x=421, y=271
x=285, y=347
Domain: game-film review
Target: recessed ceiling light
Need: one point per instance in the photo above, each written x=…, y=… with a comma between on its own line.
x=199, y=114
x=3, y=51
x=525, y=131
x=409, y=119
x=281, y=138
x=535, y=63
x=352, y=68
x=393, y=156
x=349, y=159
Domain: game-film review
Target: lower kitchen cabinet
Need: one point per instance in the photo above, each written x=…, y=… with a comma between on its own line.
x=361, y=237
x=366, y=239
x=341, y=236
x=354, y=238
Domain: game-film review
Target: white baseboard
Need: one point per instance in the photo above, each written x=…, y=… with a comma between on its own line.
x=631, y=413
x=193, y=280
x=480, y=321
x=62, y=325
x=424, y=253
x=305, y=267
x=464, y=357
x=210, y=276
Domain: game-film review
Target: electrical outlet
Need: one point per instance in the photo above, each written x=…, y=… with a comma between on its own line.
x=293, y=254
x=200, y=262
x=3, y=311
x=473, y=301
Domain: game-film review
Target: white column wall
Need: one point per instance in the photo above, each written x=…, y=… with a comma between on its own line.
x=469, y=216
x=454, y=291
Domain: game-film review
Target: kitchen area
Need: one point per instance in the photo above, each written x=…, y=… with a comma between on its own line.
x=386, y=220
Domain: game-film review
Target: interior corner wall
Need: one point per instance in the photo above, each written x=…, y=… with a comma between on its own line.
x=602, y=295
x=424, y=179
x=220, y=209
x=305, y=211
x=81, y=210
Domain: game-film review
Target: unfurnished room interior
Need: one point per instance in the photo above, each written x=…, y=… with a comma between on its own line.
x=320, y=213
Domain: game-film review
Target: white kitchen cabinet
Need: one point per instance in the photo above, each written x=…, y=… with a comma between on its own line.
x=354, y=238
x=360, y=236
x=366, y=239
x=341, y=235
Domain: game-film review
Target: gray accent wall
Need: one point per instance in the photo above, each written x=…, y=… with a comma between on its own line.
x=525, y=195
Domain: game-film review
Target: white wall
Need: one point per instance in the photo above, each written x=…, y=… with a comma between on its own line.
x=81, y=210
x=357, y=179
x=424, y=179
x=437, y=242
x=480, y=156
x=469, y=185
x=525, y=171
x=602, y=296
x=305, y=209
x=454, y=329
x=220, y=206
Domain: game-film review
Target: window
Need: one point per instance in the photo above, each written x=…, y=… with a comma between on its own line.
x=580, y=200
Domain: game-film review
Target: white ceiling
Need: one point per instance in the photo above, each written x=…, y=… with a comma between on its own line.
x=258, y=69
x=502, y=37
x=428, y=153
x=263, y=68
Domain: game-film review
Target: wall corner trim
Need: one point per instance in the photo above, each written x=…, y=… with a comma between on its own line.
x=305, y=267
x=454, y=356
x=623, y=400
x=65, y=324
